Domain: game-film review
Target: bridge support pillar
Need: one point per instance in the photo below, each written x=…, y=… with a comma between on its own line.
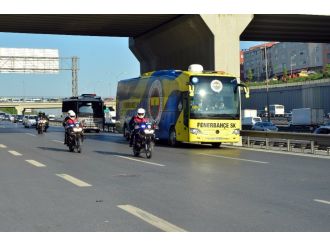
x=19, y=110
x=227, y=29
x=210, y=40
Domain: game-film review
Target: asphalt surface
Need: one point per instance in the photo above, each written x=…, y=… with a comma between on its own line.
x=190, y=188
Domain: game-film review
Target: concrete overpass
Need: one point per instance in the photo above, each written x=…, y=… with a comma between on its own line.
x=21, y=106
x=175, y=41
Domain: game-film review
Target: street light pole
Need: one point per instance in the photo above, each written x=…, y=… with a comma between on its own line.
x=267, y=92
x=291, y=63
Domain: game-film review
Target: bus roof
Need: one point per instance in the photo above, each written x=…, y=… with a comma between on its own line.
x=175, y=73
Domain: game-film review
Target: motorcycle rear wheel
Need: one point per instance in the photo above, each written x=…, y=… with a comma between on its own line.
x=136, y=152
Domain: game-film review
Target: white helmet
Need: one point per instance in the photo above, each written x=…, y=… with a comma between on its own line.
x=71, y=114
x=141, y=112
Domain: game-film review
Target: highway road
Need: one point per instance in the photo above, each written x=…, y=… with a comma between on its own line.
x=194, y=188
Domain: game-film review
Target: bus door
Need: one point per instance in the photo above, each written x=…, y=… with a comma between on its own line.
x=182, y=126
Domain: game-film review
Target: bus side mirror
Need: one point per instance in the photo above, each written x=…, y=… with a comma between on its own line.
x=245, y=88
x=191, y=90
x=247, y=92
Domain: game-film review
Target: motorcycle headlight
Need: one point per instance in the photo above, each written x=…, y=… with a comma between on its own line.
x=149, y=131
x=195, y=131
x=77, y=129
x=236, y=132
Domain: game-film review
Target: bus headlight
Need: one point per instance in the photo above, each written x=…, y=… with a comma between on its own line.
x=236, y=132
x=195, y=131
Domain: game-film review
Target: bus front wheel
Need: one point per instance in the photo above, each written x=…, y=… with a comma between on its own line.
x=216, y=145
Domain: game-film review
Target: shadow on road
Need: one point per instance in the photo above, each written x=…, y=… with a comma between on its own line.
x=114, y=153
x=54, y=149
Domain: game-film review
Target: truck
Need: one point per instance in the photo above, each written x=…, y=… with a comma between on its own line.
x=249, y=113
x=110, y=118
x=276, y=110
x=307, y=117
x=250, y=121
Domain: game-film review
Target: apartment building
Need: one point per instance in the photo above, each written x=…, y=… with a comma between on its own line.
x=291, y=57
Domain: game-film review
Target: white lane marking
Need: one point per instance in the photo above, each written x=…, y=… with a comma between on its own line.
x=57, y=141
x=30, y=134
x=278, y=152
x=322, y=201
x=226, y=157
x=3, y=146
x=74, y=180
x=147, y=162
x=35, y=163
x=14, y=153
x=151, y=219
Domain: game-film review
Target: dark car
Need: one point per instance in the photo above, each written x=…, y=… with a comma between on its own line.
x=18, y=119
x=264, y=126
x=322, y=130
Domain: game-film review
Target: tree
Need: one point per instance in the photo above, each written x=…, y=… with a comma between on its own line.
x=250, y=75
x=285, y=74
x=326, y=71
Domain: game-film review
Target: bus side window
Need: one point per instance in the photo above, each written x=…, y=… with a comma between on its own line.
x=185, y=104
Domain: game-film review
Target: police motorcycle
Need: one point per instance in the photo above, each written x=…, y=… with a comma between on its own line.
x=75, y=137
x=41, y=126
x=144, y=139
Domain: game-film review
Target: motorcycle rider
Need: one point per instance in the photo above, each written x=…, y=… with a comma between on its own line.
x=47, y=120
x=69, y=119
x=42, y=116
x=136, y=119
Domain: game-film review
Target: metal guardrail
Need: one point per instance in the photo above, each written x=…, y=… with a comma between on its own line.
x=55, y=123
x=288, y=139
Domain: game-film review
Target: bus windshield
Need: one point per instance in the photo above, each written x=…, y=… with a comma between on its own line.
x=214, y=97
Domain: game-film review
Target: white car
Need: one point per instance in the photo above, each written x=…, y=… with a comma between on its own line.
x=30, y=121
x=51, y=117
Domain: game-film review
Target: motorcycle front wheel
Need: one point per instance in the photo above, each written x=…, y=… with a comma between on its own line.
x=148, y=150
x=78, y=144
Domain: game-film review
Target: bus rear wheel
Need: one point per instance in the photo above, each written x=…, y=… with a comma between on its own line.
x=172, y=138
x=126, y=133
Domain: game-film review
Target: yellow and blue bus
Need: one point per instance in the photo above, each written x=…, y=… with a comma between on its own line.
x=193, y=106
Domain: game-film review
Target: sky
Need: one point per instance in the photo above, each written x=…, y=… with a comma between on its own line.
x=103, y=61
